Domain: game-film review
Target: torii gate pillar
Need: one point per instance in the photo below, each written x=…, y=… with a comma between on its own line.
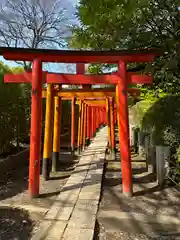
x=123, y=128
x=89, y=124
x=35, y=139
x=73, y=102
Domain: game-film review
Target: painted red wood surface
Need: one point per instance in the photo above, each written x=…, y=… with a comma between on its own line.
x=35, y=138
x=123, y=128
x=78, y=78
x=73, y=124
x=20, y=54
x=89, y=122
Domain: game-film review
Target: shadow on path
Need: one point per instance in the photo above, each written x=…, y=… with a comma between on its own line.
x=15, y=224
x=152, y=212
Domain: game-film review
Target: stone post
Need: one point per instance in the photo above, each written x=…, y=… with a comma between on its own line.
x=146, y=149
x=131, y=134
x=162, y=163
x=135, y=139
x=152, y=156
x=141, y=143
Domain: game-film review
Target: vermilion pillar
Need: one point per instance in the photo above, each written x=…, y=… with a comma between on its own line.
x=97, y=118
x=94, y=119
x=73, y=125
x=101, y=116
x=35, y=138
x=46, y=166
x=123, y=128
x=98, y=115
x=115, y=116
x=84, y=127
x=112, y=129
x=108, y=122
x=56, y=133
x=104, y=116
x=79, y=129
x=88, y=124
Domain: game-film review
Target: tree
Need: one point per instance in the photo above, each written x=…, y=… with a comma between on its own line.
x=35, y=23
x=128, y=24
x=14, y=107
x=102, y=23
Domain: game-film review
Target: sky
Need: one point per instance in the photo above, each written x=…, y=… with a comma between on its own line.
x=51, y=67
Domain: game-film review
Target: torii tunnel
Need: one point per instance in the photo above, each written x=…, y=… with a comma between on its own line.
x=107, y=104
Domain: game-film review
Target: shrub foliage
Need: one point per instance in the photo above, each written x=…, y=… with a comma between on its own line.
x=14, y=109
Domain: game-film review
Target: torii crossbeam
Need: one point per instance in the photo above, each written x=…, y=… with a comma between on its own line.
x=78, y=79
x=89, y=93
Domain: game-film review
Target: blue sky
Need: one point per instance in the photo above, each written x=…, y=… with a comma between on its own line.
x=52, y=67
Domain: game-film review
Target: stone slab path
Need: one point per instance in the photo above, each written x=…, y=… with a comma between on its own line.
x=73, y=214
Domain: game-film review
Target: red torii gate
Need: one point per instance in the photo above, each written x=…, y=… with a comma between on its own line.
x=120, y=79
x=99, y=98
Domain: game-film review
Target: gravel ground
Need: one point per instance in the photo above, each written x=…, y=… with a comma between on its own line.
x=148, y=200
x=15, y=224
x=20, y=216
x=128, y=236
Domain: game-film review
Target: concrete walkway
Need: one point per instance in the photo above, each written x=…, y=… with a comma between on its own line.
x=73, y=214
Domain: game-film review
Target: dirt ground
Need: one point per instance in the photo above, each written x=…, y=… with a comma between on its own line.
x=20, y=216
x=149, y=202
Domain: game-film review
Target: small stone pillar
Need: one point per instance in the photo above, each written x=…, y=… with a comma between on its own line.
x=132, y=139
x=152, y=156
x=146, y=149
x=135, y=139
x=146, y=146
x=131, y=134
x=166, y=161
x=162, y=160
x=141, y=143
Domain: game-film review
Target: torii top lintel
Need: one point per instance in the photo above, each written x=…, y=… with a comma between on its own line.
x=71, y=56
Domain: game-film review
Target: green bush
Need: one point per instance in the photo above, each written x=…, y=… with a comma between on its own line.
x=15, y=103
x=161, y=118
x=138, y=111
x=14, y=111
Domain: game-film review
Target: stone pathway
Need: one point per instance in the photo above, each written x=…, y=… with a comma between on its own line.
x=73, y=214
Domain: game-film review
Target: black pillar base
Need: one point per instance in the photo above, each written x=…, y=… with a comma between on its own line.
x=55, y=159
x=73, y=151
x=46, y=168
